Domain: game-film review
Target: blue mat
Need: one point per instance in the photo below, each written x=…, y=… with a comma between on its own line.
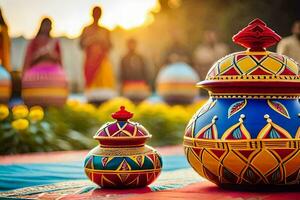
x=25, y=175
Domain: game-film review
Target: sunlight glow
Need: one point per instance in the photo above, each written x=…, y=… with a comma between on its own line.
x=70, y=16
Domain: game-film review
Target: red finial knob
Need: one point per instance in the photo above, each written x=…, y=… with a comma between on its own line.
x=256, y=36
x=122, y=114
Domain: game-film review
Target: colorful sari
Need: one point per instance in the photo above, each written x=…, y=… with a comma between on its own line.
x=42, y=49
x=98, y=70
x=5, y=48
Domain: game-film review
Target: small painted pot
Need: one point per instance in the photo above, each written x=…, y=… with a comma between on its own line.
x=248, y=133
x=122, y=160
x=136, y=91
x=45, y=84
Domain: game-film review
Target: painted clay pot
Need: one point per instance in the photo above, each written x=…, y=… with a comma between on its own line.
x=98, y=95
x=5, y=85
x=136, y=91
x=248, y=132
x=176, y=83
x=45, y=84
x=122, y=160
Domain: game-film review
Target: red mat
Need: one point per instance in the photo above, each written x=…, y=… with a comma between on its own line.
x=204, y=190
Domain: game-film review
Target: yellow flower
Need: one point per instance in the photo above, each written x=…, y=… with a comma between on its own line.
x=36, y=108
x=89, y=108
x=107, y=108
x=73, y=103
x=20, y=124
x=36, y=113
x=20, y=111
x=4, y=112
x=148, y=110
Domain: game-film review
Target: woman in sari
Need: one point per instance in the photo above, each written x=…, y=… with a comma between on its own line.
x=4, y=44
x=44, y=81
x=98, y=72
x=43, y=48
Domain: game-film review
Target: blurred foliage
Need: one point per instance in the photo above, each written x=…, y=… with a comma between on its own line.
x=165, y=123
x=186, y=21
x=72, y=127
x=23, y=131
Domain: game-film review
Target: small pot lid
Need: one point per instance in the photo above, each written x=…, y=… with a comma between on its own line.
x=122, y=131
x=254, y=71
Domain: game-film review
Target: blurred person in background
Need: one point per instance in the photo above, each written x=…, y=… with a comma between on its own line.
x=43, y=48
x=208, y=52
x=290, y=45
x=133, y=74
x=4, y=44
x=177, y=50
x=98, y=70
x=44, y=82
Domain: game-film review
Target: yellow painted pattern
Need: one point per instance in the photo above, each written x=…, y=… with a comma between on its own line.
x=225, y=64
x=266, y=129
x=292, y=66
x=249, y=63
x=232, y=128
x=246, y=64
x=267, y=165
x=264, y=161
x=272, y=65
x=231, y=160
x=291, y=165
x=252, y=53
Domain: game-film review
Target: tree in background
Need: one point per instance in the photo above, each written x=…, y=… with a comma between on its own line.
x=226, y=17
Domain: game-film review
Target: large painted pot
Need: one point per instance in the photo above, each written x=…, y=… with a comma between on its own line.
x=5, y=85
x=45, y=84
x=248, y=132
x=176, y=83
x=122, y=160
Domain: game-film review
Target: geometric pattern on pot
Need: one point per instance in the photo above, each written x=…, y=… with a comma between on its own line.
x=238, y=130
x=124, y=171
x=264, y=163
x=248, y=63
x=122, y=129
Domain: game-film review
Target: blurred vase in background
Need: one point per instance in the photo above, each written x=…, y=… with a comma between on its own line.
x=176, y=82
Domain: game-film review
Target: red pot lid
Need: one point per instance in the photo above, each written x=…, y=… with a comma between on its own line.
x=122, y=132
x=255, y=71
